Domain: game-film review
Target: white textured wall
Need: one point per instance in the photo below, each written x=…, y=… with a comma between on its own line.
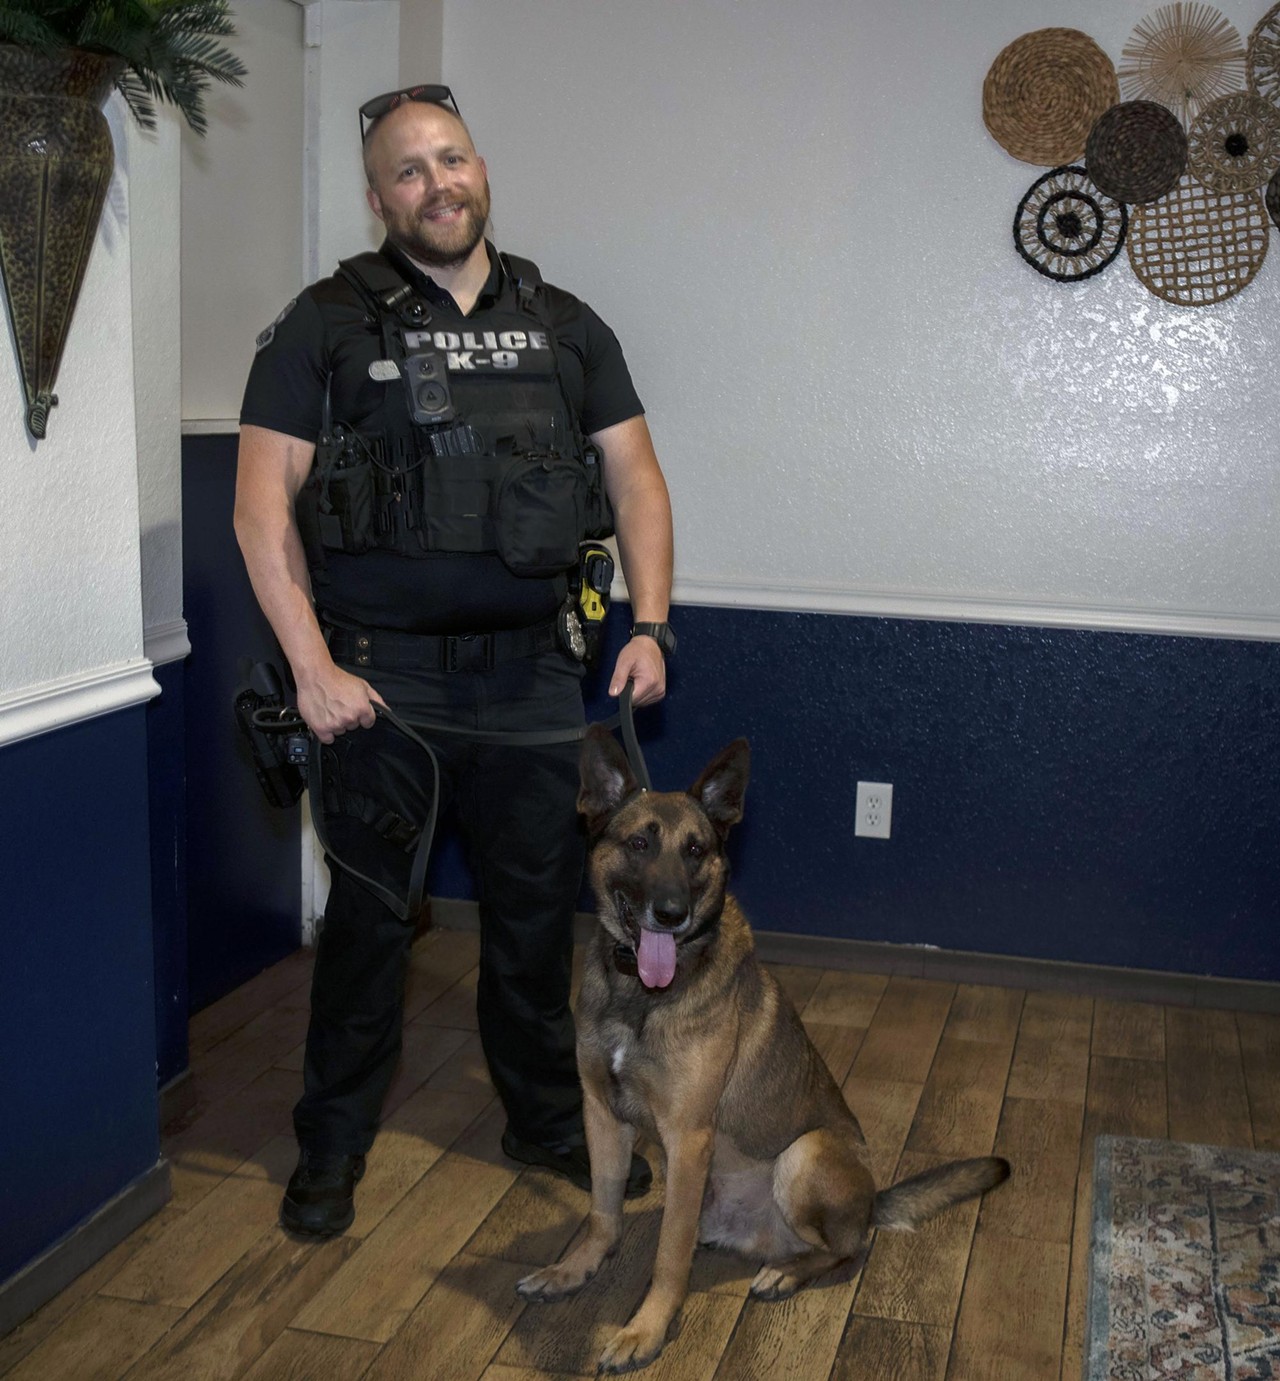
x=351, y=55
x=242, y=247
x=154, y=161
x=70, y=589
x=421, y=41
x=274, y=195
x=863, y=399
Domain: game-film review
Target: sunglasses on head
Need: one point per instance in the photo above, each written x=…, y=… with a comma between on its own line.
x=373, y=111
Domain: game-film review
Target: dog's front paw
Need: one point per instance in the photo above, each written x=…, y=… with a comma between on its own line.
x=552, y=1282
x=630, y=1349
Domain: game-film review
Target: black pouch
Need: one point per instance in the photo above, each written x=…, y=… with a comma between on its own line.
x=599, y=511
x=541, y=514
x=346, y=509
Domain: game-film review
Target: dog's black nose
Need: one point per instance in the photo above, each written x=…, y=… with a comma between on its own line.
x=670, y=914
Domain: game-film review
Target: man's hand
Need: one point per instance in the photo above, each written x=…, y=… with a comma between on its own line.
x=640, y=662
x=334, y=701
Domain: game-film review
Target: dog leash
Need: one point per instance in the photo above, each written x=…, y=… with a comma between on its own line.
x=409, y=908
x=624, y=719
x=629, y=741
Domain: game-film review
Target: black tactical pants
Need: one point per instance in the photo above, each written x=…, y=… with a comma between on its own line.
x=517, y=810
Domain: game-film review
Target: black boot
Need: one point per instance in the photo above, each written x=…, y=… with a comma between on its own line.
x=318, y=1201
x=571, y=1161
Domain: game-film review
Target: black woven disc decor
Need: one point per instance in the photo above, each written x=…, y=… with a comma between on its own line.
x=1136, y=151
x=1273, y=200
x=1066, y=228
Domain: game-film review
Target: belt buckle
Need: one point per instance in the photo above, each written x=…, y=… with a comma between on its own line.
x=458, y=657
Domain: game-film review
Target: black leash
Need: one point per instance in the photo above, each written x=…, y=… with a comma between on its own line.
x=634, y=756
x=538, y=738
x=277, y=720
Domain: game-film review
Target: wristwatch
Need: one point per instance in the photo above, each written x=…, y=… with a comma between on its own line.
x=661, y=634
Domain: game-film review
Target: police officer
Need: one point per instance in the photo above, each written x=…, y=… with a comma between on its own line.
x=422, y=442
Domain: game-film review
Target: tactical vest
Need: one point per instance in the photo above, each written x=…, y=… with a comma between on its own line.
x=478, y=448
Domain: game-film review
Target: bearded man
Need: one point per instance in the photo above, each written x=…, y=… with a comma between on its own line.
x=426, y=438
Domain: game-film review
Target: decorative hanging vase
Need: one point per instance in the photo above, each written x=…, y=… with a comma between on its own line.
x=56, y=161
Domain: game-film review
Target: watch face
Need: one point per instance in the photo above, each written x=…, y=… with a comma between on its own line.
x=661, y=634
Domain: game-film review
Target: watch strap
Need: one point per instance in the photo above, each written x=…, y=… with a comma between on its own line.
x=660, y=632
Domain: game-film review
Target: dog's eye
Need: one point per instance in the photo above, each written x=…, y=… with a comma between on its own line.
x=696, y=850
x=639, y=842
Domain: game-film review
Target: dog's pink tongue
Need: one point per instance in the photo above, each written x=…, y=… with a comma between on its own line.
x=656, y=959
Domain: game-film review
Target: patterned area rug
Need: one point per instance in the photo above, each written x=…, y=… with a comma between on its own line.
x=1184, y=1268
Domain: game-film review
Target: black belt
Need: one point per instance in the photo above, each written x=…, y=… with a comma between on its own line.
x=392, y=651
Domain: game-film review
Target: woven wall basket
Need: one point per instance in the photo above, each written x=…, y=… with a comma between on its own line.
x=1195, y=247
x=1183, y=56
x=1263, y=58
x=1136, y=151
x=1043, y=93
x=1066, y=229
x=1234, y=143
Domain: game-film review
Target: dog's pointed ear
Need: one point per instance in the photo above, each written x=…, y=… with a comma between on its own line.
x=605, y=777
x=723, y=786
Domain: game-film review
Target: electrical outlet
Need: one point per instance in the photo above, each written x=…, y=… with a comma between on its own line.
x=875, y=810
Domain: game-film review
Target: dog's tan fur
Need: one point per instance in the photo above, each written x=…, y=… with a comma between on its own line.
x=762, y=1154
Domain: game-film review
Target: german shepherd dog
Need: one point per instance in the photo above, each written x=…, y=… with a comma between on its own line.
x=684, y=1035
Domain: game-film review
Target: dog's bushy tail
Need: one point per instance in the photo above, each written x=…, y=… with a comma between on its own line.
x=907, y=1204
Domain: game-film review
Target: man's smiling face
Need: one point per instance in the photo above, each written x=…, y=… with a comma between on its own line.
x=427, y=184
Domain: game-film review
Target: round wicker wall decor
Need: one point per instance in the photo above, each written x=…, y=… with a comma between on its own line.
x=1136, y=151
x=1066, y=229
x=1183, y=173
x=1043, y=93
x=1263, y=58
x=1195, y=247
x=1234, y=143
x=1183, y=56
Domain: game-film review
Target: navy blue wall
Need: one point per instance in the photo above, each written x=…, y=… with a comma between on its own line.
x=1103, y=798
x=243, y=856
x=166, y=776
x=77, y=1025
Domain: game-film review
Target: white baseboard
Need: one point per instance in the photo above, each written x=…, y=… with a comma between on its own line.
x=315, y=877
x=210, y=426
x=716, y=593
x=72, y=699
x=166, y=642
x=888, y=604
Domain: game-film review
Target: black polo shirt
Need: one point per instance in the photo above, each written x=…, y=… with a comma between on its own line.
x=327, y=331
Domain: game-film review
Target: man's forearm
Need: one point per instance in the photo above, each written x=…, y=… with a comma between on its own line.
x=643, y=522
x=277, y=568
x=270, y=471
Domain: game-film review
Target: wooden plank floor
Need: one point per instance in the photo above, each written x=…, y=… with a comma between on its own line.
x=423, y=1284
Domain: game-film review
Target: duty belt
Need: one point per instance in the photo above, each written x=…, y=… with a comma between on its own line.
x=388, y=650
